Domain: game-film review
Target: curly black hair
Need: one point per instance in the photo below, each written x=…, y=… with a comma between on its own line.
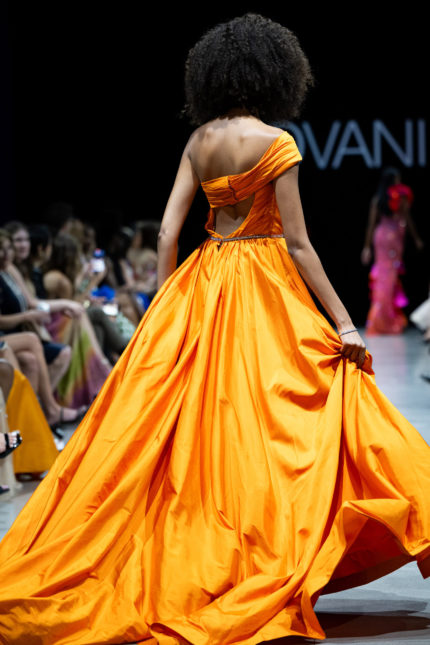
x=250, y=62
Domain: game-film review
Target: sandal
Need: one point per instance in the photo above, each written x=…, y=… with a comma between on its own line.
x=10, y=447
x=56, y=426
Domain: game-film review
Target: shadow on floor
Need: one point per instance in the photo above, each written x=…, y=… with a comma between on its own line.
x=394, y=618
x=374, y=624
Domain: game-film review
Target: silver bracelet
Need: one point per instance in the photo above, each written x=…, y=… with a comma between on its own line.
x=347, y=332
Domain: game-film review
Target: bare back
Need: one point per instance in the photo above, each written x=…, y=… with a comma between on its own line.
x=230, y=146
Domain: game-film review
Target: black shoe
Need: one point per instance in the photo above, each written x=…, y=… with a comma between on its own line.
x=10, y=447
x=58, y=432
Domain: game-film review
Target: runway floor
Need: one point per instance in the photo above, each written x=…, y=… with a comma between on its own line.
x=395, y=609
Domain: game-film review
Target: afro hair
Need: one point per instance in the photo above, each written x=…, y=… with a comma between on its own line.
x=250, y=62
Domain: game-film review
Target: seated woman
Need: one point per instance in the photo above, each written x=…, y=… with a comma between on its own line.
x=28, y=313
x=142, y=256
x=35, y=260
x=68, y=324
x=132, y=300
x=34, y=264
x=103, y=294
x=112, y=334
x=62, y=271
x=27, y=356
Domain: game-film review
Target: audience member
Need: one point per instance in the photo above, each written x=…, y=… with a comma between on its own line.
x=120, y=276
x=142, y=256
x=47, y=340
x=68, y=324
x=24, y=351
x=89, y=243
x=40, y=252
x=18, y=312
x=60, y=279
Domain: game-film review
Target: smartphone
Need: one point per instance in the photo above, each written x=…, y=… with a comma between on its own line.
x=97, y=265
x=110, y=309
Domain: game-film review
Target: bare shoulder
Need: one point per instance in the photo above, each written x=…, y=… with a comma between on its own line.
x=56, y=283
x=14, y=272
x=17, y=277
x=53, y=276
x=260, y=139
x=253, y=133
x=229, y=146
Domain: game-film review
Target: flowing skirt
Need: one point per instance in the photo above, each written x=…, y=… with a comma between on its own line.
x=233, y=467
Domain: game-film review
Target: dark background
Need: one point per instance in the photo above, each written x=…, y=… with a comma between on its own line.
x=91, y=95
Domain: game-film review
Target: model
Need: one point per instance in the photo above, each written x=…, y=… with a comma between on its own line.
x=239, y=460
x=389, y=219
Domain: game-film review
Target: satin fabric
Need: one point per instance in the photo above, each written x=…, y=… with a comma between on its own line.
x=233, y=466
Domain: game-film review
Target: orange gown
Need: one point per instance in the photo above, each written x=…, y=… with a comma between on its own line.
x=233, y=467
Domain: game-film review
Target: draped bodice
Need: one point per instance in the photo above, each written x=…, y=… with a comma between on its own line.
x=263, y=216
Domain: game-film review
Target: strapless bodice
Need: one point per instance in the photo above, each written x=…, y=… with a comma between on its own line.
x=263, y=216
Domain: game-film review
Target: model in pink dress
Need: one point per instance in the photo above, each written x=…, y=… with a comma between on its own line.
x=389, y=218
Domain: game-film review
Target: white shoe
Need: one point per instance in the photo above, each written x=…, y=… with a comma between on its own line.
x=60, y=443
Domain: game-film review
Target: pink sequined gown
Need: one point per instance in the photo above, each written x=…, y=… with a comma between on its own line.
x=386, y=292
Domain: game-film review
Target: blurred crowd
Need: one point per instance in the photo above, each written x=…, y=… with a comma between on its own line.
x=68, y=307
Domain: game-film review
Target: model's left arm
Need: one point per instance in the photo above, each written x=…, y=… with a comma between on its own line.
x=309, y=265
x=178, y=206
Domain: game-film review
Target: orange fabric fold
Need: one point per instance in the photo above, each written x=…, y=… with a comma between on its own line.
x=233, y=467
